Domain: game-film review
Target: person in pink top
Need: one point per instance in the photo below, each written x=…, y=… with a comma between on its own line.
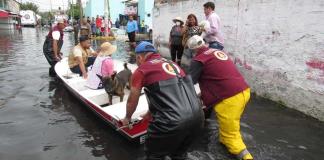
x=103, y=66
x=98, y=24
x=214, y=36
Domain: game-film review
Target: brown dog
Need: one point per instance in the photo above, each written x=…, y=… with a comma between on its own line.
x=115, y=84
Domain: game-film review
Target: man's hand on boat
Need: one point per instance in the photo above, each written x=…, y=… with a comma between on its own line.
x=58, y=57
x=125, y=121
x=85, y=75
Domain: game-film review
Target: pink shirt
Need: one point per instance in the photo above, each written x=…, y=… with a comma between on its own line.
x=103, y=66
x=107, y=68
x=214, y=33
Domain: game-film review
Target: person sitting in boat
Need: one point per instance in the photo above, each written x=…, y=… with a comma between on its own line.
x=103, y=66
x=81, y=57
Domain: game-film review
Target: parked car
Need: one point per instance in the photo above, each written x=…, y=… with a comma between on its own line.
x=28, y=18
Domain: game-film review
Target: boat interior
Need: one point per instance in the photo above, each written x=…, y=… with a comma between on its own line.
x=99, y=97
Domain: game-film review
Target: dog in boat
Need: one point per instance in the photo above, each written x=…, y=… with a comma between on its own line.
x=115, y=84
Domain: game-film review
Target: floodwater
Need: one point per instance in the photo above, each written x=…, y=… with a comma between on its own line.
x=40, y=119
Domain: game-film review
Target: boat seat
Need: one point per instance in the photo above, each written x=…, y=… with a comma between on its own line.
x=118, y=110
x=92, y=92
x=70, y=75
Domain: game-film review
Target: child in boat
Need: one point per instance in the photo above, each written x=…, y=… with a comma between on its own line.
x=103, y=66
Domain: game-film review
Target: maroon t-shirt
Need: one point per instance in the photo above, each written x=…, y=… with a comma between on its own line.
x=154, y=69
x=55, y=28
x=219, y=78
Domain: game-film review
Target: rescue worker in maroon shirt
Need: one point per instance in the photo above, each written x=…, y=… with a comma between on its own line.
x=53, y=44
x=175, y=112
x=224, y=89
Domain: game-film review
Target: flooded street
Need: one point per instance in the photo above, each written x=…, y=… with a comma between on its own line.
x=40, y=119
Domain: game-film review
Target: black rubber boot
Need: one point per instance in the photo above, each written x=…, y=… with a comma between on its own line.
x=52, y=72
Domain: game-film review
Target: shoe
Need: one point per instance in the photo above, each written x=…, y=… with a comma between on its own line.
x=247, y=157
x=244, y=155
x=52, y=72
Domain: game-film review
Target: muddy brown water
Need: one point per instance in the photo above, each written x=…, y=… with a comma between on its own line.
x=40, y=119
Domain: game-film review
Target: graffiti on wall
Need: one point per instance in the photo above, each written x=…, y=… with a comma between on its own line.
x=238, y=61
x=315, y=70
x=167, y=1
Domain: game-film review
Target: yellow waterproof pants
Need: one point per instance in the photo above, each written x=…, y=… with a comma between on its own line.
x=229, y=113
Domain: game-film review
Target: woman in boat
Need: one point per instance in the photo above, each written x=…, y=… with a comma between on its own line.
x=103, y=66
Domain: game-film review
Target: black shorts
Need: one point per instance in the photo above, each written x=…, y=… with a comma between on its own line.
x=131, y=36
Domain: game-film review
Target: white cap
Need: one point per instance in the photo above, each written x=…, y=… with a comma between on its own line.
x=195, y=42
x=59, y=20
x=204, y=24
x=178, y=19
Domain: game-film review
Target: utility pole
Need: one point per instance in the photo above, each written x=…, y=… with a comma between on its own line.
x=106, y=8
x=107, y=15
x=81, y=10
x=72, y=6
x=51, y=6
x=63, y=7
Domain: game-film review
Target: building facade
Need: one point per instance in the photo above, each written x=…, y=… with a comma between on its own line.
x=96, y=7
x=9, y=14
x=145, y=8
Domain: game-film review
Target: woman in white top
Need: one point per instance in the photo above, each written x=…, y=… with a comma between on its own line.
x=103, y=66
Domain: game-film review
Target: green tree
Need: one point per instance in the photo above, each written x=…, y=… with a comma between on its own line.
x=74, y=11
x=46, y=17
x=29, y=6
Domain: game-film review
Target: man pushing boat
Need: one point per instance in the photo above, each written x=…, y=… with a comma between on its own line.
x=174, y=110
x=53, y=44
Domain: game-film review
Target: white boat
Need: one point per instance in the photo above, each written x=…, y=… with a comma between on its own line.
x=97, y=101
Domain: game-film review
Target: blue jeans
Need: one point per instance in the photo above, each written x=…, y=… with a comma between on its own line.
x=76, y=69
x=216, y=45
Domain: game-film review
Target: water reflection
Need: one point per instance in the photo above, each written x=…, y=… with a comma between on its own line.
x=100, y=138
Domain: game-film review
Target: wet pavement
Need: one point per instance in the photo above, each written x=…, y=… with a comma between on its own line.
x=40, y=119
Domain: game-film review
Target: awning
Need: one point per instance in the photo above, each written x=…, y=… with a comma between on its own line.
x=11, y=14
x=4, y=14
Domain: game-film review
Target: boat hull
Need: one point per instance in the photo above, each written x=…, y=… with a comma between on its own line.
x=136, y=132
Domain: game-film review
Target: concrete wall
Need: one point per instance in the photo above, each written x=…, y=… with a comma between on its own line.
x=277, y=45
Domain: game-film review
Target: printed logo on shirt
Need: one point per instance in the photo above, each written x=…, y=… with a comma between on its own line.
x=221, y=55
x=155, y=61
x=169, y=69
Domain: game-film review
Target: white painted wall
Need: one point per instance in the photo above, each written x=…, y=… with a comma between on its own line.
x=278, y=45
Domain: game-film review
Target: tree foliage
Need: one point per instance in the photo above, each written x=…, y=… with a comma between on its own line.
x=46, y=17
x=74, y=11
x=29, y=6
